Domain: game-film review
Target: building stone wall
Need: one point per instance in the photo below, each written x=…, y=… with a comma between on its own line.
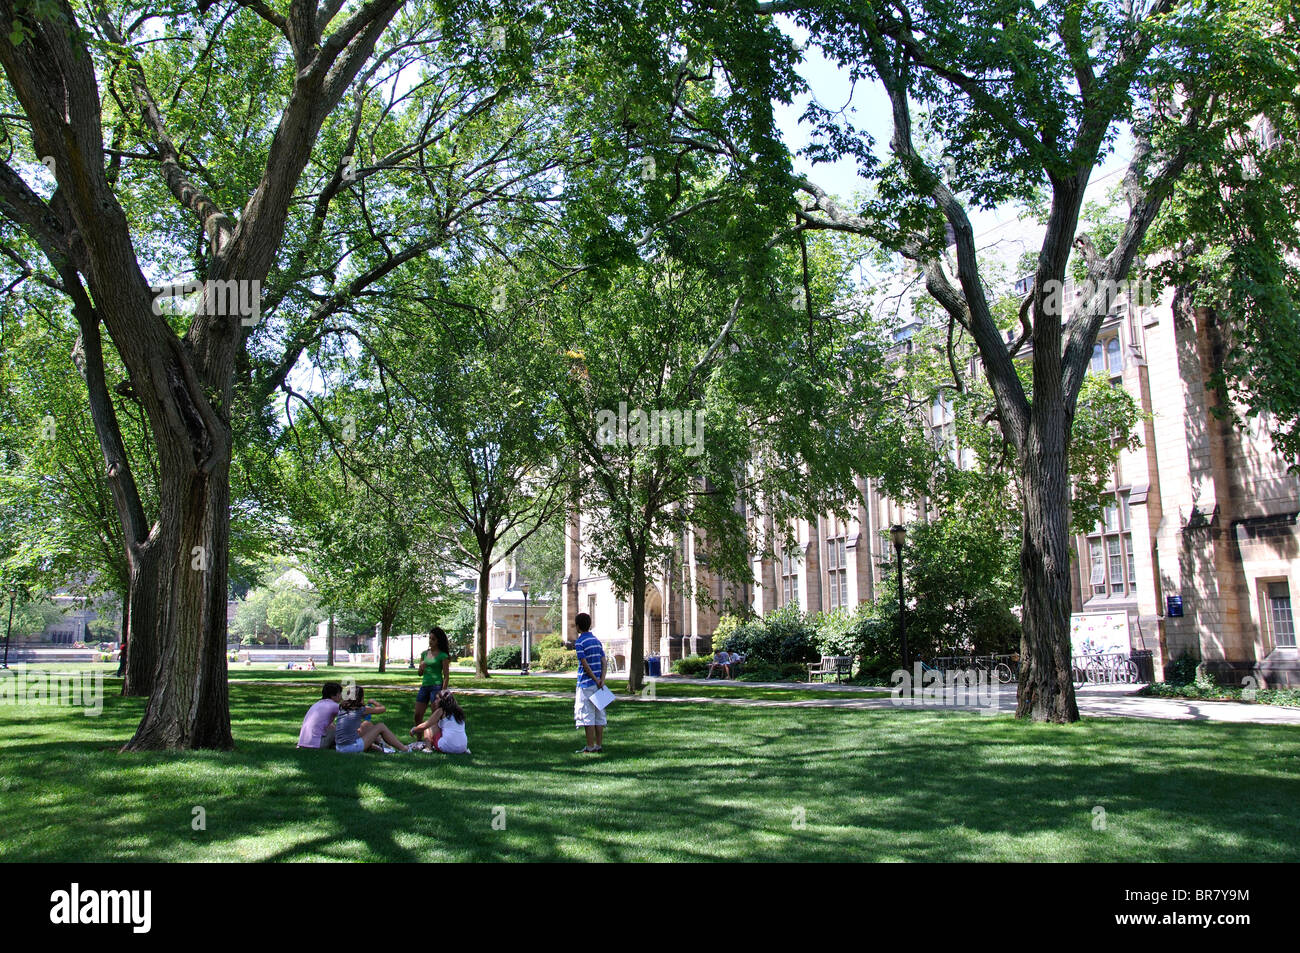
x=1211, y=516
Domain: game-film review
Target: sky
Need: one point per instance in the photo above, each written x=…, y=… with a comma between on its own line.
x=1001, y=232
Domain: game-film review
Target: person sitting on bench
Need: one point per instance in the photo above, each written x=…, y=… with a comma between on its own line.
x=720, y=658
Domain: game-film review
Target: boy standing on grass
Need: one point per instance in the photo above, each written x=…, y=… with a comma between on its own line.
x=591, y=678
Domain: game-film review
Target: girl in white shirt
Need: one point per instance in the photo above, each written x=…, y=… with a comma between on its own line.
x=444, y=730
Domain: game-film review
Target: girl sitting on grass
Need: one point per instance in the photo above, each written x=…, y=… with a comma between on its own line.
x=352, y=733
x=445, y=728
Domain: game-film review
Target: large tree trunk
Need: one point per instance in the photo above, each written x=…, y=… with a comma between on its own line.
x=1046, y=692
x=481, y=619
x=189, y=705
x=141, y=621
x=636, y=651
x=329, y=648
x=124, y=648
x=183, y=386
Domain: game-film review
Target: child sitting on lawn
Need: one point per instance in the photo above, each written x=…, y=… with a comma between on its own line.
x=318, y=726
x=445, y=729
x=352, y=733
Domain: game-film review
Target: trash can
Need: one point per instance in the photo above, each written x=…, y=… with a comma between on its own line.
x=652, y=666
x=1144, y=659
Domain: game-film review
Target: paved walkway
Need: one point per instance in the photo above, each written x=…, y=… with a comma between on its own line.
x=1095, y=701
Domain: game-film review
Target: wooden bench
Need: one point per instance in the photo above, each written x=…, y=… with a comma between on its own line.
x=841, y=666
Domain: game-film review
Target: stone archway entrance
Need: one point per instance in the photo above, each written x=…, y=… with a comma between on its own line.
x=654, y=621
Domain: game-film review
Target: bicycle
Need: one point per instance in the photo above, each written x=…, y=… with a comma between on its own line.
x=1107, y=669
x=994, y=669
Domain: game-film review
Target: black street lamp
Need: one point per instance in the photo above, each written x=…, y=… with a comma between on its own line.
x=526, y=654
x=899, y=536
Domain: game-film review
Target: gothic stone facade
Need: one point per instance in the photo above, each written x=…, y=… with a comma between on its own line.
x=1203, y=521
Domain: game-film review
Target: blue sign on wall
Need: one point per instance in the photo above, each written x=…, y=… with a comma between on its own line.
x=1174, y=606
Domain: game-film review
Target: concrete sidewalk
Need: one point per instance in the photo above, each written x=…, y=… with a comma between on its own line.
x=1095, y=701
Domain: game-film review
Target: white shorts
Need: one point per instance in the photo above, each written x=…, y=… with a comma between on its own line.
x=355, y=747
x=585, y=714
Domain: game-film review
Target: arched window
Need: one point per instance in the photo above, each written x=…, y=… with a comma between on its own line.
x=1114, y=359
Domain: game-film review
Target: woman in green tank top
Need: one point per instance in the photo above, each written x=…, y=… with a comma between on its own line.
x=435, y=671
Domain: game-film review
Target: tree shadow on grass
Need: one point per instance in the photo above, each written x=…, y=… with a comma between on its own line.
x=678, y=783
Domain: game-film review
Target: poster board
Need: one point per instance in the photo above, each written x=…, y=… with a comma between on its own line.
x=1095, y=633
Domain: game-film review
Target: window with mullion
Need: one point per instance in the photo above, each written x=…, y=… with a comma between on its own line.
x=789, y=579
x=837, y=570
x=1110, y=548
x=1281, y=622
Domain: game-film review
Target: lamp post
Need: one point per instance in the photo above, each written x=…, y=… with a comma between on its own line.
x=899, y=536
x=526, y=655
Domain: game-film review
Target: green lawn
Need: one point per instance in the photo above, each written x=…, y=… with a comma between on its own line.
x=678, y=782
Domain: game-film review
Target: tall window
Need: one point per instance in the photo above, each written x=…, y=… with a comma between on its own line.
x=837, y=571
x=943, y=427
x=622, y=612
x=591, y=609
x=789, y=579
x=1110, y=549
x=1281, y=624
x=1107, y=357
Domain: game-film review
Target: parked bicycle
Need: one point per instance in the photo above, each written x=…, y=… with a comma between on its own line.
x=1105, y=669
x=1005, y=668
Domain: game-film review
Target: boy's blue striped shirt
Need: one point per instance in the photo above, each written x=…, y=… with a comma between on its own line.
x=591, y=651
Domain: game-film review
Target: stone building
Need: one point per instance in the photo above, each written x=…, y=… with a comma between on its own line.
x=1200, y=547
x=679, y=617
x=1198, y=554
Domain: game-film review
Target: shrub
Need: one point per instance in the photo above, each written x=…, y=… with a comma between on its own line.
x=781, y=672
x=784, y=636
x=727, y=626
x=550, y=642
x=743, y=637
x=558, y=660
x=865, y=634
x=838, y=632
x=692, y=665
x=1181, y=671
x=505, y=656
